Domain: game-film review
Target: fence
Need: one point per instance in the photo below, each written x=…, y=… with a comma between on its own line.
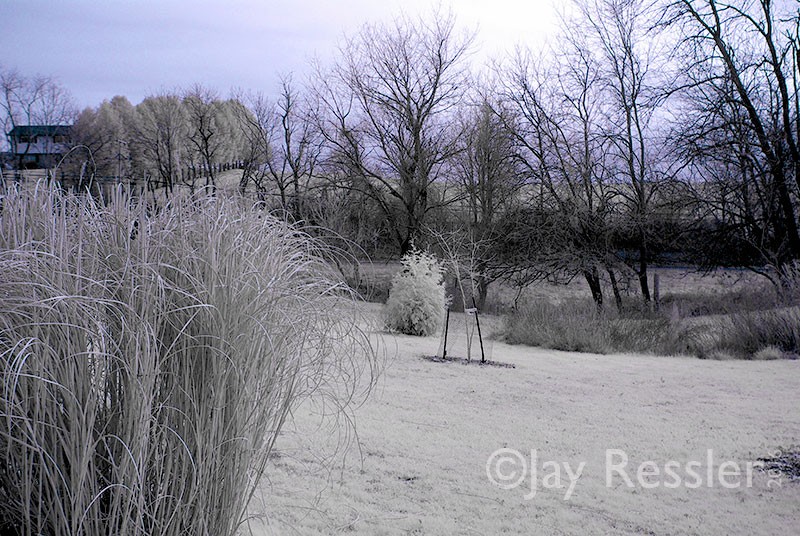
x=104, y=185
x=199, y=172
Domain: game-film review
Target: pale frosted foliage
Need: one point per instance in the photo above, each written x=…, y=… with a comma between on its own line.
x=768, y=353
x=149, y=358
x=417, y=299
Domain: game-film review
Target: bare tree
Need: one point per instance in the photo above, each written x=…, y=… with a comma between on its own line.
x=741, y=85
x=623, y=32
x=107, y=132
x=204, y=137
x=160, y=133
x=490, y=181
x=559, y=106
x=37, y=100
x=294, y=145
x=254, y=118
x=283, y=146
x=386, y=109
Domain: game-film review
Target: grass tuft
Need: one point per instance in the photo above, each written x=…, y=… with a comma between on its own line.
x=150, y=357
x=749, y=334
x=768, y=353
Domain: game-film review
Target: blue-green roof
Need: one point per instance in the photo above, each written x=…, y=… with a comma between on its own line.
x=40, y=130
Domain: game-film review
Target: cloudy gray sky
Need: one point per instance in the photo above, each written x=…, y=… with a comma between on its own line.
x=101, y=48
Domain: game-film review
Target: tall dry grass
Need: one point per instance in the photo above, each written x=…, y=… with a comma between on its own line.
x=149, y=359
x=758, y=322
x=577, y=325
x=747, y=335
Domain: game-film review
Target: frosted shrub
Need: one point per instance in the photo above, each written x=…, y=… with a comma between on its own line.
x=417, y=299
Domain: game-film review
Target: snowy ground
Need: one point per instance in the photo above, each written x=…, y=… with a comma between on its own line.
x=427, y=431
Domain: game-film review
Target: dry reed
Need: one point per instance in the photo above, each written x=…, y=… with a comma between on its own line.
x=150, y=357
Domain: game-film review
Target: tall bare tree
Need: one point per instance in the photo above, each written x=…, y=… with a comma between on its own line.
x=294, y=145
x=283, y=146
x=623, y=33
x=741, y=82
x=559, y=120
x=490, y=181
x=204, y=130
x=386, y=110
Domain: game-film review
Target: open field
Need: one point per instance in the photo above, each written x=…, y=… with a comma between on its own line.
x=426, y=434
x=419, y=447
x=676, y=284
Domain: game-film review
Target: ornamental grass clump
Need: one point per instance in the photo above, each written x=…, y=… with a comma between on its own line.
x=149, y=358
x=416, y=301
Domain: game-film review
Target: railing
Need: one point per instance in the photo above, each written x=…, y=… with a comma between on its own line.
x=186, y=174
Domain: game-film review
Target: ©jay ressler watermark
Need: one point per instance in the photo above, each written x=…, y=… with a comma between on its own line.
x=509, y=469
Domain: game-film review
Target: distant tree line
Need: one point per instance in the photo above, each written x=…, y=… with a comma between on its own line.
x=647, y=132
x=160, y=140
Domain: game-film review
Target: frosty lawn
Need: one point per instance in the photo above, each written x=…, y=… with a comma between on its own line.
x=426, y=434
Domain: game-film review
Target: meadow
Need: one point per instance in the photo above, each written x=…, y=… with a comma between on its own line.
x=418, y=464
x=724, y=314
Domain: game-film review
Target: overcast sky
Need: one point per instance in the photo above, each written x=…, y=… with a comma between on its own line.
x=101, y=48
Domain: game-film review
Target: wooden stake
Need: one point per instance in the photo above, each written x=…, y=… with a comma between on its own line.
x=478, y=322
x=446, y=327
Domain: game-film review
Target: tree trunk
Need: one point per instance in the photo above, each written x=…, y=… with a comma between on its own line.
x=612, y=276
x=483, y=290
x=297, y=212
x=656, y=292
x=593, y=279
x=643, y=269
x=244, y=180
x=405, y=245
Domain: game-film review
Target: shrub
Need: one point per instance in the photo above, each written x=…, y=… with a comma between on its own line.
x=149, y=360
x=417, y=299
x=759, y=296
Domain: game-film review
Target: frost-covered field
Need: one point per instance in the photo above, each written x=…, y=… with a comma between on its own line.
x=428, y=429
